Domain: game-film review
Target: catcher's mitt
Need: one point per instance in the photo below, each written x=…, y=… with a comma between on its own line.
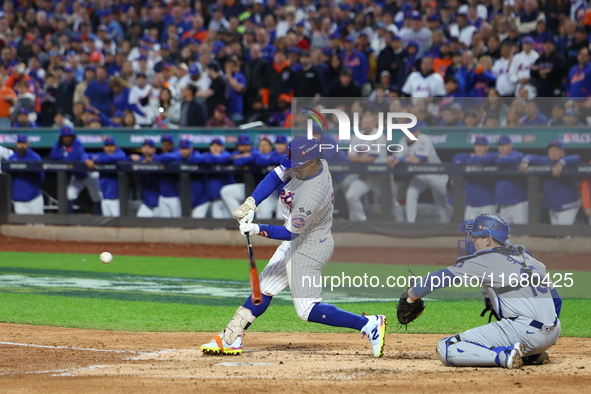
x=407, y=311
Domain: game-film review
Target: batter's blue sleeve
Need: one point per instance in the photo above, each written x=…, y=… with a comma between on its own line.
x=429, y=284
x=332, y=316
x=266, y=187
x=258, y=310
x=276, y=232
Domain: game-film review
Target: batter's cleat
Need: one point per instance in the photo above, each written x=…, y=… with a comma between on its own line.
x=217, y=346
x=536, y=359
x=514, y=354
x=375, y=329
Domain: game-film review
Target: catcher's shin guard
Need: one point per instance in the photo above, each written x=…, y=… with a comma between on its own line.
x=454, y=352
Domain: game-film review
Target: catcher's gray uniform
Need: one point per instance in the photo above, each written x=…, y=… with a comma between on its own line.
x=528, y=314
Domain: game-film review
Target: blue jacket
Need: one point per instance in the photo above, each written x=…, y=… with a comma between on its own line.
x=578, y=83
x=169, y=184
x=26, y=185
x=269, y=159
x=510, y=190
x=244, y=161
x=478, y=191
x=199, y=188
x=215, y=182
x=75, y=152
x=100, y=96
x=560, y=193
x=358, y=64
x=108, y=181
x=150, y=188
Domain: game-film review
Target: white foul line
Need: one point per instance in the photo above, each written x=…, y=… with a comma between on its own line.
x=72, y=348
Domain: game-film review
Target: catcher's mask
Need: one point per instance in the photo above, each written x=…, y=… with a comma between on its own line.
x=484, y=225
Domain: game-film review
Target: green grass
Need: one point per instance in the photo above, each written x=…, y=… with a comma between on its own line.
x=137, y=309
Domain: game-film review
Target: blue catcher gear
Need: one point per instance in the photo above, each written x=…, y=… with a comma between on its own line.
x=300, y=151
x=482, y=226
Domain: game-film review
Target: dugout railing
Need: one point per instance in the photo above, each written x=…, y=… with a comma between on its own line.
x=385, y=225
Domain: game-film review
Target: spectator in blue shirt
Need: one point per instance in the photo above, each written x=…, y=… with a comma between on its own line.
x=578, y=83
x=99, y=94
x=26, y=186
x=356, y=61
x=237, y=83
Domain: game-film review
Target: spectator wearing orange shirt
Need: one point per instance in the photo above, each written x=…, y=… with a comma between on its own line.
x=444, y=60
x=7, y=99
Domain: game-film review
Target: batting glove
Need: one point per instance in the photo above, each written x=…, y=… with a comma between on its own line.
x=248, y=205
x=250, y=228
x=248, y=218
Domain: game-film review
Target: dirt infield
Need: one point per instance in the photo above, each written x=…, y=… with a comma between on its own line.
x=48, y=359
x=70, y=360
x=402, y=256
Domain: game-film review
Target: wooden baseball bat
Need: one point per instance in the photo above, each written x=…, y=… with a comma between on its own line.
x=255, y=285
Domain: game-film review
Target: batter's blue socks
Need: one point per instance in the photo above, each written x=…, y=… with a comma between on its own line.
x=333, y=316
x=257, y=310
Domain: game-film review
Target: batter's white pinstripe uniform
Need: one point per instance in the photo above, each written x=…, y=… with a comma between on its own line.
x=307, y=207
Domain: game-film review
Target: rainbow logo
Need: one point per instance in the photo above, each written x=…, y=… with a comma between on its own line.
x=318, y=118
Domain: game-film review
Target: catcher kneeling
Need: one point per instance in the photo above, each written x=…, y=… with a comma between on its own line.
x=517, y=291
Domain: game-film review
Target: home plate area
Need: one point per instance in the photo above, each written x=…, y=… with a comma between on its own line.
x=48, y=358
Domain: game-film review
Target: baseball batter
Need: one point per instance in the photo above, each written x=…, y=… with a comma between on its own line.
x=527, y=311
x=422, y=151
x=307, y=245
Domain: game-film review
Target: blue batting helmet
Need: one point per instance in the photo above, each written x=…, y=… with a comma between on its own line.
x=484, y=225
x=301, y=150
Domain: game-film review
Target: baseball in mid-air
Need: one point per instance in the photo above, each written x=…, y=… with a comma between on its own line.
x=106, y=257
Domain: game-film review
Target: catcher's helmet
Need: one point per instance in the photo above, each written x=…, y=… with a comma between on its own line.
x=484, y=225
x=301, y=150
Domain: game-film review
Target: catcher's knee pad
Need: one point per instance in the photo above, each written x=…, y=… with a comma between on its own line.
x=442, y=347
x=454, y=352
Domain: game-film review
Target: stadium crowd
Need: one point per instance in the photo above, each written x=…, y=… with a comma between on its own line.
x=180, y=63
